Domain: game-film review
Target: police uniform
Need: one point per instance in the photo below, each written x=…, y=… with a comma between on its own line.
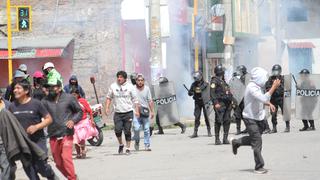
x=220, y=94
x=277, y=101
x=196, y=91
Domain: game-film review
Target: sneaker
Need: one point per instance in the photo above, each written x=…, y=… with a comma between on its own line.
x=147, y=148
x=120, y=150
x=234, y=145
x=304, y=129
x=136, y=146
x=128, y=152
x=261, y=171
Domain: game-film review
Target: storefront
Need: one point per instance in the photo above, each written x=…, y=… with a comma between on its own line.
x=35, y=53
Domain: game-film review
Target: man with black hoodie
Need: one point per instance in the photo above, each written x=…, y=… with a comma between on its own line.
x=73, y=82
x=65, y=112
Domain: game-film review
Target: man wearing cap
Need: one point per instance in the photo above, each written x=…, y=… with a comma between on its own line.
x=18, y=76
x=51, y=73
x=65, y=112
x=24, y=68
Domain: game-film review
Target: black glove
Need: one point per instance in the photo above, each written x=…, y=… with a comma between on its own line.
x=190, y=93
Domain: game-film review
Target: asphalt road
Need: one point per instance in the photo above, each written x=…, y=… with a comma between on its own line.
x=292, y=156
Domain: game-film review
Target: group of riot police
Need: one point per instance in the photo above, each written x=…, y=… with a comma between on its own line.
x=223, y=102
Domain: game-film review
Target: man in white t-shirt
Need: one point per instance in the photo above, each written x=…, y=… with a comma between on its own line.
x=124, y=100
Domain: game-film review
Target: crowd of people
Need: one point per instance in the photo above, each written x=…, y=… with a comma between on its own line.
x=45, y=108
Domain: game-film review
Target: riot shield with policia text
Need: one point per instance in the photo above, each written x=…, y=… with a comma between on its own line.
x=208, y=105
x=166, y=103
x=308, y=96
x=237, y=89
x=287, y=97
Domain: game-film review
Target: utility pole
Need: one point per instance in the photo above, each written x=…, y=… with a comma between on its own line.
x=155, y=39
x=9, y=41
x=278, y=30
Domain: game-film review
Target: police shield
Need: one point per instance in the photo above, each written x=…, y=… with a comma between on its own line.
x=307, y=96
x=166, y=102
x=237, y=89
x=208, y=104
x=287, y=97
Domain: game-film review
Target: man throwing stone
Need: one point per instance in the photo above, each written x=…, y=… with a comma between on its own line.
x=254, y=114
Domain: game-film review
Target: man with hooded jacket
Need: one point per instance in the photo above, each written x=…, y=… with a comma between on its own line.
x=73, y=83
x=254, y=115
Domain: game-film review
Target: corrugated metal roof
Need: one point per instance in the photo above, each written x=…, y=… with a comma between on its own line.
x=301, y=45
x=38, y=42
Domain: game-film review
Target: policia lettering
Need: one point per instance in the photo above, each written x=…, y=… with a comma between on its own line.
x=308, y=92
x=166, y=100
x=222, y=101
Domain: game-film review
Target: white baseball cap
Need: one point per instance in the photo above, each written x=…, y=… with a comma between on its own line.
x=48, y=65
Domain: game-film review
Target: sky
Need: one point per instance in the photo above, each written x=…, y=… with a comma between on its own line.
x=132, y=9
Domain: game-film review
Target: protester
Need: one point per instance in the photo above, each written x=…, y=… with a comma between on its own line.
x=7, y=172
x=33, y=117
x=146, y=109
x=38, y=82
x=254, y=114
x=124, y=99
x=24, y=68
x=51, y=73
x=73, y=83
x=18, y=76
x=85, y=129
x=65, y=112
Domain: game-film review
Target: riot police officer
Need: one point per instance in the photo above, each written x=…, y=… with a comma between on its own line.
x=196, y=90
x=277, y=97
x=183, y=127
x=309, y=105
x=242, y=72
x=222, y=102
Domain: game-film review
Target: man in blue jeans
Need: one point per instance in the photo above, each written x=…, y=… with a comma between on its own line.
x=146, y=111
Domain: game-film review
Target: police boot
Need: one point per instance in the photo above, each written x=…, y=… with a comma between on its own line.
x=217, y=132
x=287, y=129
x=311, y=128
x=305, y=126
x=274, y=129
x=209, y=132
x=225, y=139
x=195, y=133
x=160, y=130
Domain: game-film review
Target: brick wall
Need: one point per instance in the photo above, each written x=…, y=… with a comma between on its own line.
x=94, y=24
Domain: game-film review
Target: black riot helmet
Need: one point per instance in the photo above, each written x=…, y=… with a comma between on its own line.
x=219, y=70
x=241, y=70
x=276, y=70
x=133, y=77
x=197, y=76
x=163, y=79
x=304, y=71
